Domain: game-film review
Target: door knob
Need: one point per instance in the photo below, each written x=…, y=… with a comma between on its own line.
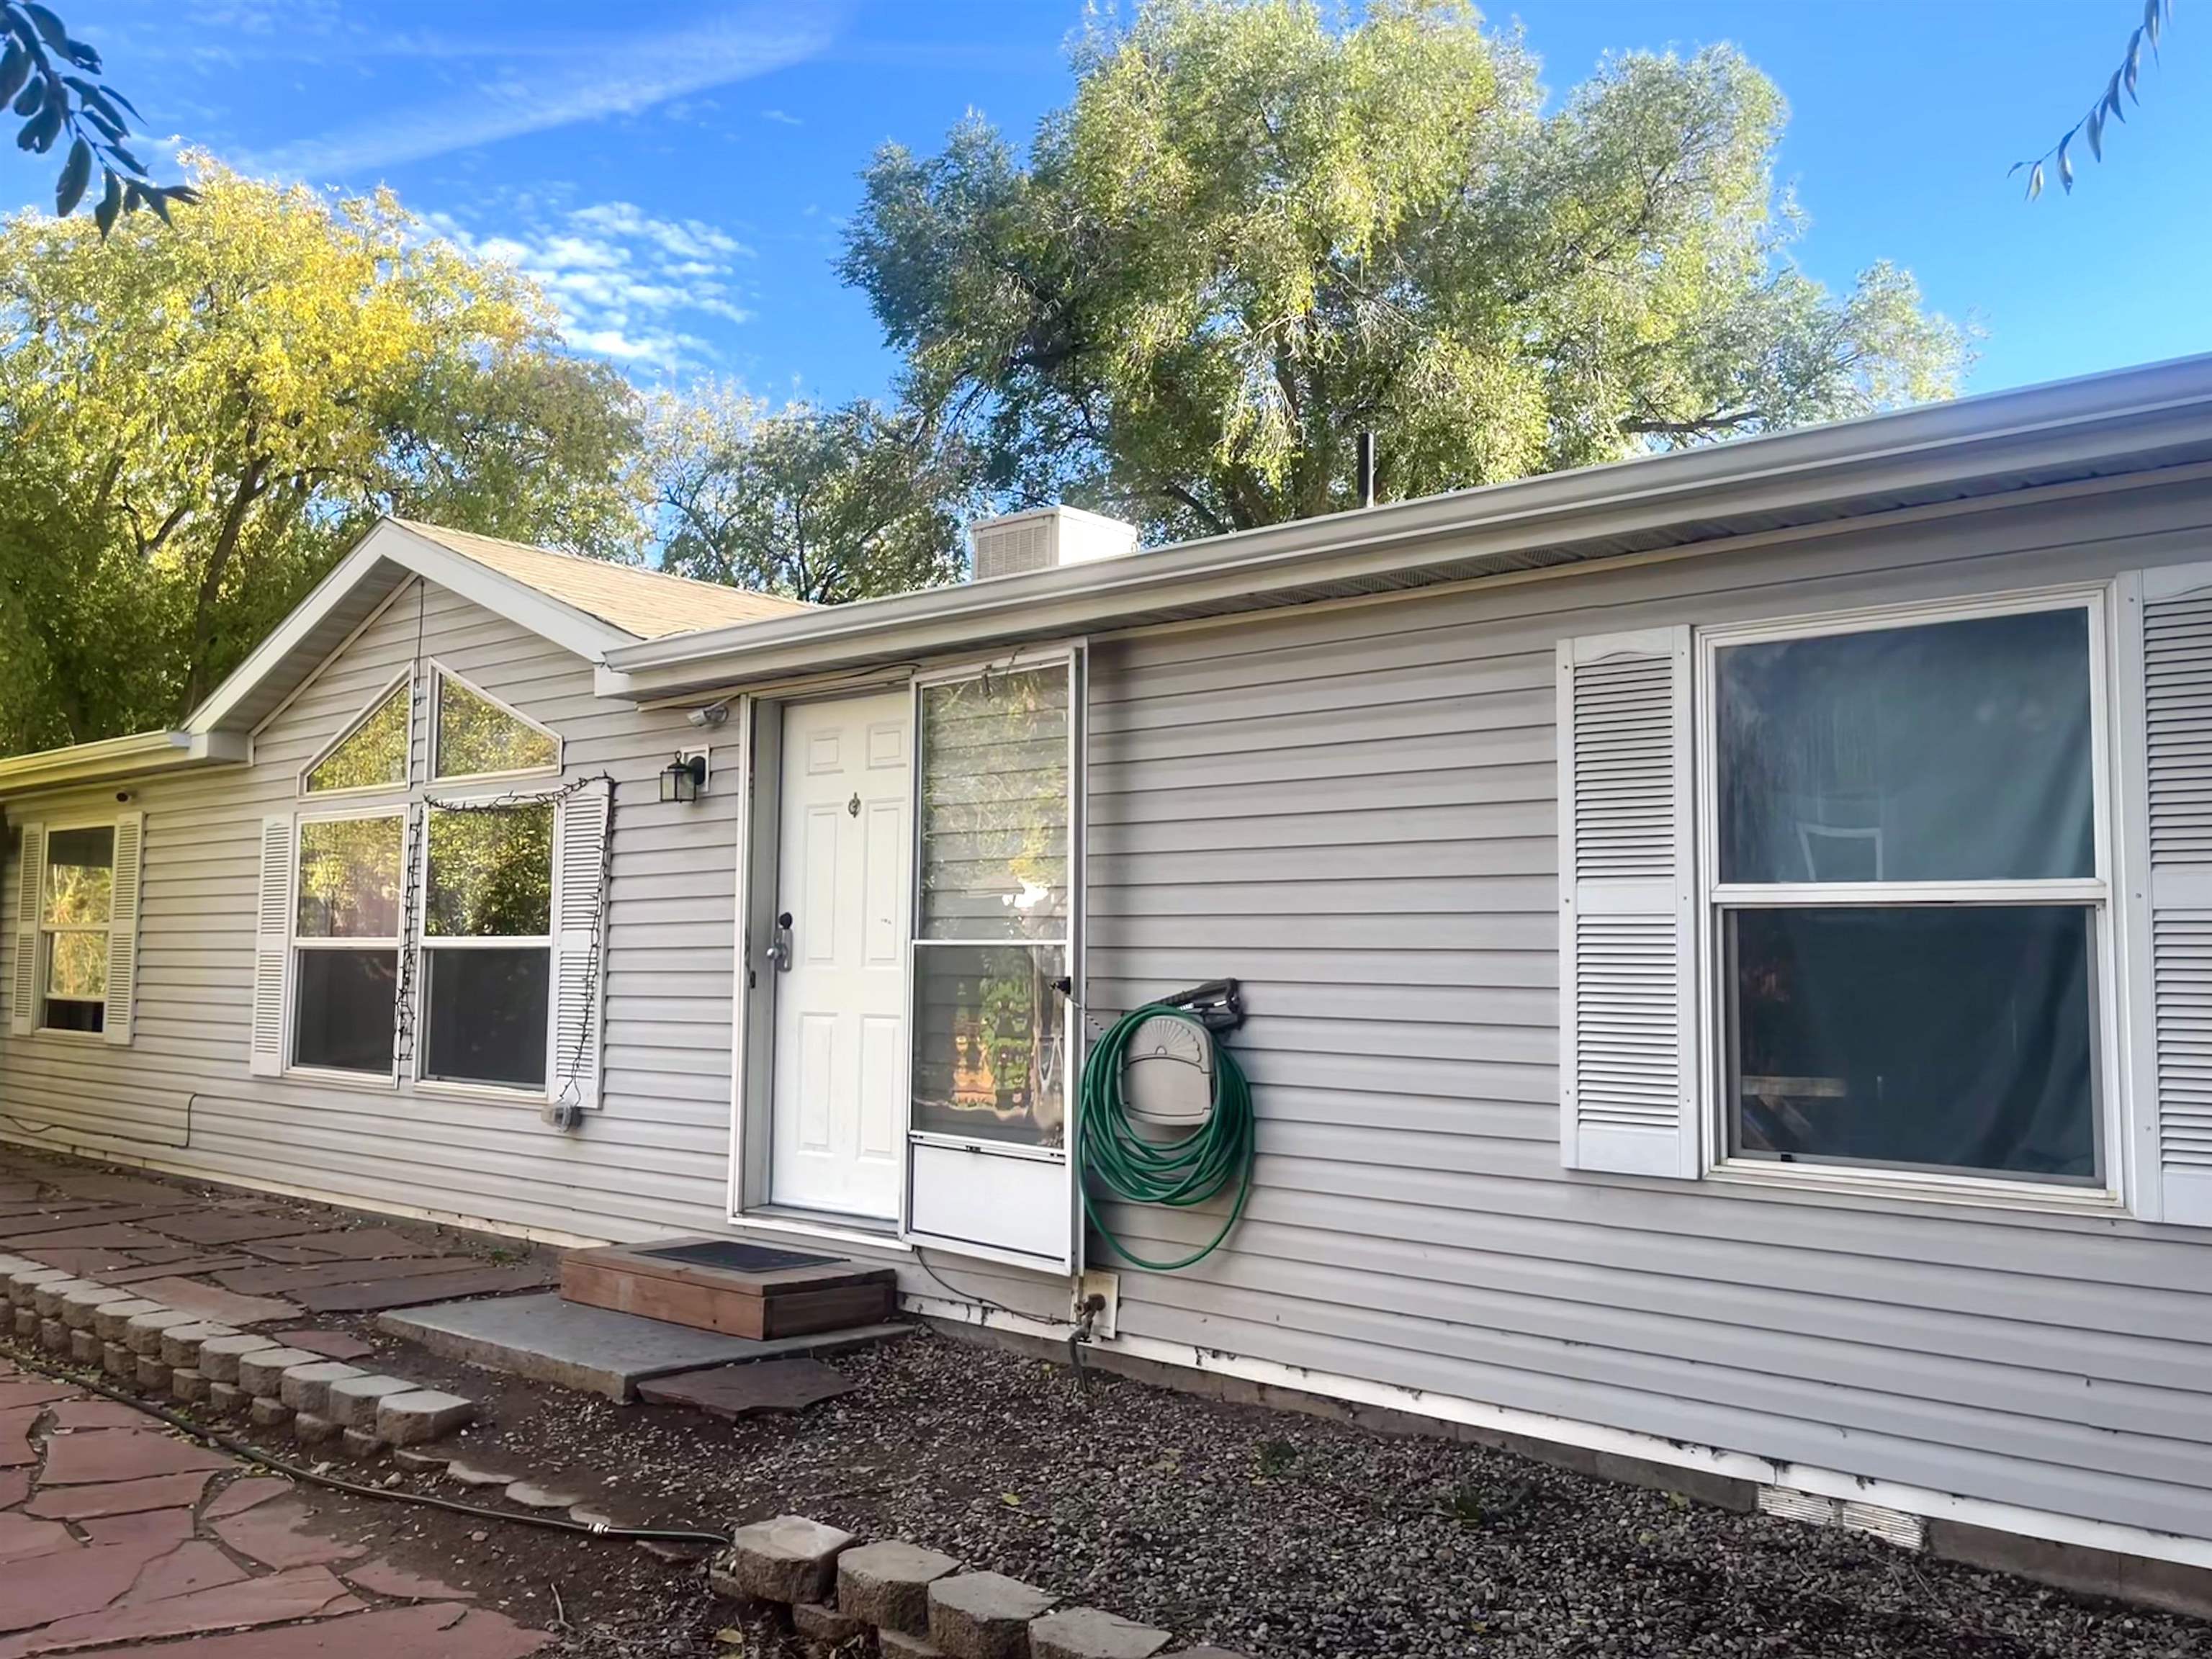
x=778, y=954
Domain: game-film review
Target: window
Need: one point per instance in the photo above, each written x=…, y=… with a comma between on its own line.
x=479, y=737
x=488, y=946
x=372, y=755
x=1909, y=896
x=346, y=943
x=76, y=909
x=993, y=908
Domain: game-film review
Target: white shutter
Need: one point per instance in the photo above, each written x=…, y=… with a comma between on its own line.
x=2176, y=833
x=122, y=925
x=272, y=946
x=30, y=873
x=580, y=908
x=1627, y=900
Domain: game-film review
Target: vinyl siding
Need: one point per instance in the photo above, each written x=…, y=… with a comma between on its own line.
x=655, y=1159
x=1352, y=808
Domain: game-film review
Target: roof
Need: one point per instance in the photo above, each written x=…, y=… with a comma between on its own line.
x=651, y=604
x=585, y=606
x=2126, y=427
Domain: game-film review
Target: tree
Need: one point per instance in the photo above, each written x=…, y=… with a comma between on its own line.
x=823, y=505
x=56, y=85
x=196, y=422
x=1252, y=235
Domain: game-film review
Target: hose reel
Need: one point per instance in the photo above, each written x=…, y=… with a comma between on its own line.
x=1167, y=1113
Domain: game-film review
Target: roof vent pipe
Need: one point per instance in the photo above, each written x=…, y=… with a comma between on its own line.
x=1364, y=450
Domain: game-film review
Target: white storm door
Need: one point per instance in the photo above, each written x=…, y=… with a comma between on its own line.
x=839, y=1106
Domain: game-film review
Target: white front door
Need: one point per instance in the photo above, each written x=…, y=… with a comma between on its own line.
x=842, y=873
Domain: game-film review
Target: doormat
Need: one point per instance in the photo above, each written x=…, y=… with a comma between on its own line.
x=733, y=1256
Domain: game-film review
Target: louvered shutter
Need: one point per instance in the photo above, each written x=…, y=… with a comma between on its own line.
x=580, y=905
x=30, y=873
x=272, y=946
x=1627, y=901
x=2176, y=753
x=123, y=926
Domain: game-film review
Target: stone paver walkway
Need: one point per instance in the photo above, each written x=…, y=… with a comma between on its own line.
x=235, y=1258
x=116, y=1534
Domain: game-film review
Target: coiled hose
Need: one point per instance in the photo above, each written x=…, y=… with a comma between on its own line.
x=1177, y=1173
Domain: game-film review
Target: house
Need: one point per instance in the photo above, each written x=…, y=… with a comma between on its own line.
x=1726, y=938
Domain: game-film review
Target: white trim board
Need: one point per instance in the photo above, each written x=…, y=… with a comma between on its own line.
x=390, y=543
x=1591, y=1437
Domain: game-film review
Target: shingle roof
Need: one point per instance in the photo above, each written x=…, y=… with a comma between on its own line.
x=651, y=604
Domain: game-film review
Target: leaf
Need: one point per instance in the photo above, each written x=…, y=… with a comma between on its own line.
x=184, y=194
x=127, y=104
x=2151, y=22
x=2014, y=168
x=2035, y=182
x=2096, y=126
x=2113, y=97
x=127, y=159
x=94, y=99
x=82, y=55
x=48, y=24
x=159, y=201
x=133, y=197
x=43, y=128
x=2129, y=70
x=33, y=98
x=111, y=204
x=76, y=173
x=2066, y=165
x=15, y=70
x=21, y=28
x=108, y=130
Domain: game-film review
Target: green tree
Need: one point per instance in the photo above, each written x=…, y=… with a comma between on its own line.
x=196, y=422
x=824, y=505
x=1253, y=234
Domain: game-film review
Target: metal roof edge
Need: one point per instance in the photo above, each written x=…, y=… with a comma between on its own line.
x=1920, y=448
x=141, y=754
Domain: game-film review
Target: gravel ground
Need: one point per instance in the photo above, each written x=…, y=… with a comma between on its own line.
x=1285, y=1536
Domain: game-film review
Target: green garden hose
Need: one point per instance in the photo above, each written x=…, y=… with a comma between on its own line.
x=1179, y=1173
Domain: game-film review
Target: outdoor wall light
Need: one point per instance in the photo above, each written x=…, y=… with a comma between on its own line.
x=684, y=778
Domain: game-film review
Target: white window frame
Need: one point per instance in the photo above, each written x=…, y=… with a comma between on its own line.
x=440, y=673
x=425, y=942
x=405, y=677
x=294, y=944
x=2096, y=893
x=42, y=981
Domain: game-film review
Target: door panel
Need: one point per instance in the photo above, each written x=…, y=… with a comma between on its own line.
x=841, y=1008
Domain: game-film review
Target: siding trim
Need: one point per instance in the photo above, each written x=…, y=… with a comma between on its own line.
x=1923, y=1501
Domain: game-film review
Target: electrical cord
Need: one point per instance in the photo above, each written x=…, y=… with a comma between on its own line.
x=255, y=1455
x=1179, y=1174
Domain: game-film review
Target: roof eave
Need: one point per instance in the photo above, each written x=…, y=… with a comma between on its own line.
x=117, y=760
x=2131, y=421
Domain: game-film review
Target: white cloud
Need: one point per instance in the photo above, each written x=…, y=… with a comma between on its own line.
x=622, y=279
x=527, y=89
x=781, y=118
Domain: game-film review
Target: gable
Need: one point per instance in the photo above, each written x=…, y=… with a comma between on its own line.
x=423, y=632
x=583, y=607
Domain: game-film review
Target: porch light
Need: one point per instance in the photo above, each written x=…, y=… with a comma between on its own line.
x=683, y=779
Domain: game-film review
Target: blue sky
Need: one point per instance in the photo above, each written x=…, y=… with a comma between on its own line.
x=676, y=171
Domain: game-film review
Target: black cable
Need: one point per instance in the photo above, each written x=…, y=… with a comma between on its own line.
x=253, y=1454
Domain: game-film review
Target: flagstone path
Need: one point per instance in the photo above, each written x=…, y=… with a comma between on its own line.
x=116, y=1534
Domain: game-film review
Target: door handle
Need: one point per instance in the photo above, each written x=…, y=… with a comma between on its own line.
x=778, y=954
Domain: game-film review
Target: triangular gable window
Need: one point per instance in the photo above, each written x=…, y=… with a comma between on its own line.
x=370, y=754
x=480, y=737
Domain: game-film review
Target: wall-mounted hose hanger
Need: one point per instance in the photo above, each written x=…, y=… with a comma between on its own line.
x=1167, y=1113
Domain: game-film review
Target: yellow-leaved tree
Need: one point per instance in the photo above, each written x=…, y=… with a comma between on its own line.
x=194, y=422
